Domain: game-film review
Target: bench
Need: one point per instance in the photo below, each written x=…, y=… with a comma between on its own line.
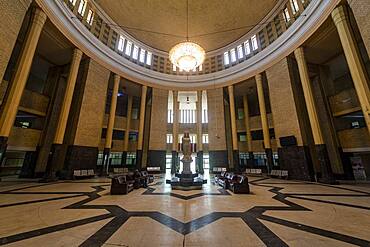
x=153, y=169
x=279, y=173
x=120, y=170
x=83, y=173
x=257, y=172
x=218, y=169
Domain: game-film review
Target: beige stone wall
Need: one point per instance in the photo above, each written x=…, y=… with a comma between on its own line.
x=354, y=138
x=90, y=120
x=158, y=122
x=361, y=11
x=255, y=123
x=12, y=13
x=283, y=106
x=216, y=119
x=23, y=139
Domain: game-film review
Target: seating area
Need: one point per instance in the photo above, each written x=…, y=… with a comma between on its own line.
x=236, y=183
x=218, y=169
x=120, y=170
x=78, y=174
x=253, y=172
x=154, y=169
x=124, y=183
x=279, y=174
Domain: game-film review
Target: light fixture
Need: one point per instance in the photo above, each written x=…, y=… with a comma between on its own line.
x=187, y=55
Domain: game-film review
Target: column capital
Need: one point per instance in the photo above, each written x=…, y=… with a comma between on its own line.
x=299, y=53
x=258, y=77
x=39, y=16
x=77, y=53
x=117, y=78
x=339, y=14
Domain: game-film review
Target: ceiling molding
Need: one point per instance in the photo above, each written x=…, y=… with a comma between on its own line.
x=313, y=16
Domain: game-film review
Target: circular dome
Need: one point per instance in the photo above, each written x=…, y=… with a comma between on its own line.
x=162, y=24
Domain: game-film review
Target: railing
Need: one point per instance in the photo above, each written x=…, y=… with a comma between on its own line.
x=78, y=29
x=109, y=33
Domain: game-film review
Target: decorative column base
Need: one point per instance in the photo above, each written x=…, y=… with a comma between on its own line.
x=270, y=160
x=175, y=156
x=55, y=162
x=123, y=159
x=327, y=175
x=200, y=162
x=139, y=158
x=236, y=162
x=250, y=160
x=3, y=146
x=105, y=167
x=29, y=164
x=297, y=161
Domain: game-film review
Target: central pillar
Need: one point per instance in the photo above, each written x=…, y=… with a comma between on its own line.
x=139, y=151
x=322, y=153
x=110, y=126
x=199, y=133
x=354, y=61
x=58, y=149
x=250, y=161
x=175, y=132
x=265, y=126
x=127, y=132
x=233, y=128
x=15, y=90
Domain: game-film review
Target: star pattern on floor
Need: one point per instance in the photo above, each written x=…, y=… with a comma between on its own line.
x=252, y=217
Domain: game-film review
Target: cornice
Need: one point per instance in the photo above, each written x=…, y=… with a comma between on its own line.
x=313, y=16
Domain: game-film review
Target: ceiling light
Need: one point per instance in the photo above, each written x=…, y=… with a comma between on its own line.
x=187, y=56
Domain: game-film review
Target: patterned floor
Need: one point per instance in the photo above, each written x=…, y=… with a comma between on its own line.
x=276, y=213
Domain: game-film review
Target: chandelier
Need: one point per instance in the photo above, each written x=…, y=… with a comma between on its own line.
x=187, y=55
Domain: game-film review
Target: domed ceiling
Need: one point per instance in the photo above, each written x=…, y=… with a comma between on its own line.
x=166, y=20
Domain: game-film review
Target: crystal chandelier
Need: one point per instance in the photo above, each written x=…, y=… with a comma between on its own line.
x=187, y=55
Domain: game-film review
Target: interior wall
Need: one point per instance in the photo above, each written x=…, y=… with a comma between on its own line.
x=12, y=14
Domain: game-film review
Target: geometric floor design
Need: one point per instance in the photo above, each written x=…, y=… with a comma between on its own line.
x=276, y=213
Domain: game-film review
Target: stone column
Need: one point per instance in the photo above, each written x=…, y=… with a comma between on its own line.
x=175, y=132
x=199, y=133
x=265, y=126
x=234, y=135
x=354, y=61
x=110, y=126
x=322, y=153
x=139, y=151
x=15, y=90
x=128, y=127
x=250, y=161
x=71, y=82
x=157, y=127
x=58, y=150
x=218, y=153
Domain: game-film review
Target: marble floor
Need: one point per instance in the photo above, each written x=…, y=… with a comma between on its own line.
x=276, y=213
